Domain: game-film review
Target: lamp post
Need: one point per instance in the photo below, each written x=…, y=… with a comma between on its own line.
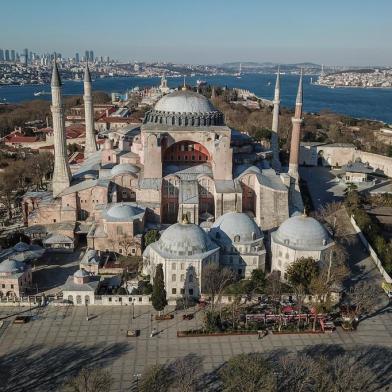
x=87, y=317
x=133, y=308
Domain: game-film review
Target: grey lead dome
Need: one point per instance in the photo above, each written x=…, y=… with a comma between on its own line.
x=184, y=102
x=235, y=227
x=302, y=232
x=185, y=240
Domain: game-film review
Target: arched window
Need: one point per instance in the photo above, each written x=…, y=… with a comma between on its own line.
x=237, y=238
x=174, y=277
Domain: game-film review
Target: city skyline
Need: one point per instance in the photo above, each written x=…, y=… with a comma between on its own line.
x=206, y=33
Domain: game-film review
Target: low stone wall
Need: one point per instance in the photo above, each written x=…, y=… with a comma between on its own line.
x=372, y=252
x=122, y=300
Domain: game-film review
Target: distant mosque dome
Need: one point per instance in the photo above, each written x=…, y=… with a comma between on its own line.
x=235, y=227
x=10, y=267
x=124, y=212
x=184, y=108
x=302, y=232
x=184, y=239
x=124, y=168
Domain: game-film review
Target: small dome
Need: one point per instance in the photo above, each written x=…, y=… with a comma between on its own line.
x=21, y=247
x=185, y=240
x=123, y=211
x=302, y=232
x=235, y=227
x=124, y=168
x=184, y=102
x=81, y=273
x=10, y=266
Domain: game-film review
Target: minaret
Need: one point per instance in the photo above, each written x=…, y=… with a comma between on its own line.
x=61, y=173
x=90, y=143
x=275, y=125
x=296, y=133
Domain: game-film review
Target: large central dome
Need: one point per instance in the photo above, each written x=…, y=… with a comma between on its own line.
x=184, y=109
x=184, y=102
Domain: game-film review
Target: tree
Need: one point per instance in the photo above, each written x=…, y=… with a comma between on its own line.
x=158, y=297
x=302, y=272
x=274, y=285
x=214, y=280
x=155, y=378
x=186, y=372
x=150, y=237
x=247, y=373
x=128, y=243
x=333, y=215
x=89, y=380
x=362, y=299
x=258, y=281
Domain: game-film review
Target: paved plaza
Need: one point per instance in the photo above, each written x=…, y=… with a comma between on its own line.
x=38, y=356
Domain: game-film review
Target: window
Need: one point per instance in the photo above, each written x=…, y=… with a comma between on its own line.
x=182, y=291
x=182, y=266
x=174, y=291
x=240, y=271
x=120, y=251
x=3, y=286
x=110, y=299
x=182, y=277
x=173, y=266
x=119, y=230
x=173, y=277
x=12, y=286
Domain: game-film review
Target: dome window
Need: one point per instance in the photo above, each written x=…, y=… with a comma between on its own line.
x=237, y=238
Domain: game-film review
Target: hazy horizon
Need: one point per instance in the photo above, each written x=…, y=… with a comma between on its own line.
x=206, y=32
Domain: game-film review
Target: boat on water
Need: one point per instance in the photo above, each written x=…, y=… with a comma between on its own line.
x=39, y=93
x=200, y=82
x=269, y=84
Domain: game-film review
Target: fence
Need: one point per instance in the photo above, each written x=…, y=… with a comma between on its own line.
x=372, y=252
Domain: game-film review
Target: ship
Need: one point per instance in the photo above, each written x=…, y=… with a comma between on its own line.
x=238, y=75
x=201, y=82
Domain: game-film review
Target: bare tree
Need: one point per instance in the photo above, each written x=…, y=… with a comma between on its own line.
x=155, y=378
x=247, y=373
x=362, y=299
x=127, y=243
x=274, y=285
x=89, y=380
x=334, y=217
x=214, y=280
x=186, y=372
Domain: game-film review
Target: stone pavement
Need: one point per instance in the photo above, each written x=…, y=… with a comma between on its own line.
x=37, y=356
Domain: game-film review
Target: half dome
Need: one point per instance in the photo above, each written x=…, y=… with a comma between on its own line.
x=124, y=168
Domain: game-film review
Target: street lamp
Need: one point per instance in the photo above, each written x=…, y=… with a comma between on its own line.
x=87, y=317
x=133, y=308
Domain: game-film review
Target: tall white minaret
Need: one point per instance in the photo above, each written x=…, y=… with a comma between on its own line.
x=61, y=173
x=297, y=121
x=90, y=143
x=275, y=126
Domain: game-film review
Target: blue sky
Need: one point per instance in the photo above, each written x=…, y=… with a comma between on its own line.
x=346, y=32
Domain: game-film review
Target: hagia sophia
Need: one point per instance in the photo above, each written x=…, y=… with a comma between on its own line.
x=209, y=189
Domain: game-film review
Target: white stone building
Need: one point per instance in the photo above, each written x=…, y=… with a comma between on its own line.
x=183, y=250
x=80, y=288
x=299, y=236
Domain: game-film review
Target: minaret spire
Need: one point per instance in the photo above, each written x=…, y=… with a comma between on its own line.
x=296, y=132
x=61, y=173
x=184, y=86
x=275, y=125
x=90, y=143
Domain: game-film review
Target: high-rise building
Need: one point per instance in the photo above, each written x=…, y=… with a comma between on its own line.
x=1, y=55
x=25, y=56
x=7, y=55
x=86, y=55
x=76, y=57
x=13, y=55
x=91, y=56
x=30, y=56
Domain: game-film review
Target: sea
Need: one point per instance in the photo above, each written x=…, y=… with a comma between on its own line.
x=368, y=103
